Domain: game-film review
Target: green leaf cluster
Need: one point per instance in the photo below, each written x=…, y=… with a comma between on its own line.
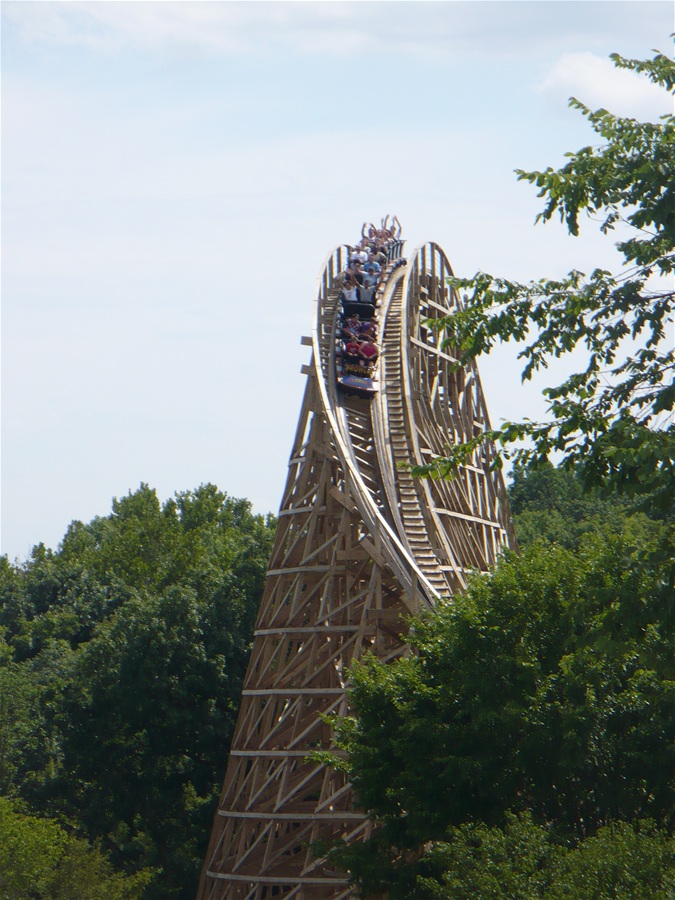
x=547, y=690
x=121, y=668
x=551, y=504
x=523, y=861
x=40, y=860
x=612, y=421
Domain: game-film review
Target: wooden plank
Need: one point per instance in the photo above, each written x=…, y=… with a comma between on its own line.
x=435, y=350
x=357, y=552
x=343, y=498
x=372, y=552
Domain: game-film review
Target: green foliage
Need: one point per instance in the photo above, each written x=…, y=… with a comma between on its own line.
x=39, y=860
x=523, y=861
x=17, y=711
x=549, y=687
x=122, y=666
x=620, y=861
x=29, y=736
x=609, y=421
x=551, y=504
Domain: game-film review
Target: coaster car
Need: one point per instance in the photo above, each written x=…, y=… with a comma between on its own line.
x=358, y=384
x=357, y=378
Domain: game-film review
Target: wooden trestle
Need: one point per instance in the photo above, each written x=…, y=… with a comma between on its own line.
x=360, y=546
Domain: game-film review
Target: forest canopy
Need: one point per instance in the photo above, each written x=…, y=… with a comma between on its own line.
x=526, y=744
x=122, y=656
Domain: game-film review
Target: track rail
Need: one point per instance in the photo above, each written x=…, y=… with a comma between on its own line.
x=390, y=424
x=433, y=533
x=351, y=420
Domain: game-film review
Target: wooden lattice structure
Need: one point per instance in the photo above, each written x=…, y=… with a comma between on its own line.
x=360, y=546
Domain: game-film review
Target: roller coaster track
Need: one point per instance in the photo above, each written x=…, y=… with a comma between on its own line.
x=360, y=546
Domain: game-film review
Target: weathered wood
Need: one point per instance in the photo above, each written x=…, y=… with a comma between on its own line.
x=360, y=545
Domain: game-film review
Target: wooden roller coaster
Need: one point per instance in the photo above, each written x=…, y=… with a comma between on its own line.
x=360, y=546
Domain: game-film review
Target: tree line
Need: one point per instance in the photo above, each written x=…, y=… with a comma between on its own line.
x=542, y=696
x=526, y=747
x=122, y=656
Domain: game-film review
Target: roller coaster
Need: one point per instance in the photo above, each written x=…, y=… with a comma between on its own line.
x=360, y=546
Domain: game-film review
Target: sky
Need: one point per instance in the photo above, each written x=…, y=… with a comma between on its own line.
x=174, y=175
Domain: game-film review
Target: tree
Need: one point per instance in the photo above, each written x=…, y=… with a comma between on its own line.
x=122, y=666
x=551, y=504
x=151, y=709
x=41, y=861
x=18, y=708
x=523, y=861
x=546, y=689
x=610, y=420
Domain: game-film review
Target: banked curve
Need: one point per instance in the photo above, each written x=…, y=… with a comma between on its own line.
x=415, y=584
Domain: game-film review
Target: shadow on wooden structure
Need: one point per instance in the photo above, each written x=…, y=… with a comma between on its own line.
x=360, y=546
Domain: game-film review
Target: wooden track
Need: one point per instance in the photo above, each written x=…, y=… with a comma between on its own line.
x=360, y=546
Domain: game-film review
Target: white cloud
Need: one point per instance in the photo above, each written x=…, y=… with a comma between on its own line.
x=431, y=29
x=220, y=27
x=598, y=83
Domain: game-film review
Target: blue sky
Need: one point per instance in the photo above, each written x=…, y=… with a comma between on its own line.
x=174, y=174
